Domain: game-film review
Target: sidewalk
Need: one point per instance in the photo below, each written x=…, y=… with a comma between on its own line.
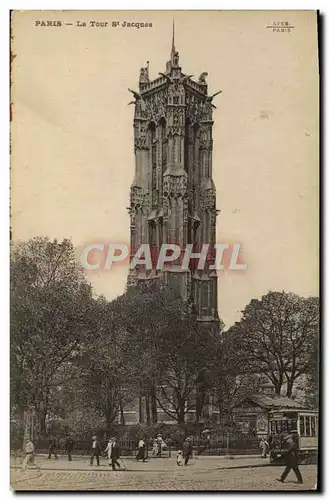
x=82, y=463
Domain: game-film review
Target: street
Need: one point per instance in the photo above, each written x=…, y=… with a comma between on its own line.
x=213, y=474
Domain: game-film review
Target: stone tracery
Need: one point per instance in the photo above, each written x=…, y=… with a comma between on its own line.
x=173, y=194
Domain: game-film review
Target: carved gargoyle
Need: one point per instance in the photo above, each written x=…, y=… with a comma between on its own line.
x=139, y=101
x=135, y=94
x=209, y=98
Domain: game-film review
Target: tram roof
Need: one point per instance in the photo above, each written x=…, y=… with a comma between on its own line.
x=274, y=403
x=279, y=402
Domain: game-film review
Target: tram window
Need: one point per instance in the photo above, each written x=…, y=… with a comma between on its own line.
x=302, y=426
x=307, y=426
x=313, y=428
x=292, y=425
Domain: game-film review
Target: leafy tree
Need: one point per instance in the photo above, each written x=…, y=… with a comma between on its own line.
x=231, y=378
x=50, y=311
x=105, y=371
x=308, y=386
x=277, y=336
x=180, y=366
x=168, y=350
x=143, y=312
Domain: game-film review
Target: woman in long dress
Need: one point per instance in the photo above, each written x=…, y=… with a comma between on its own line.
x=141, y=450
x=154, y=447
x=108, y=450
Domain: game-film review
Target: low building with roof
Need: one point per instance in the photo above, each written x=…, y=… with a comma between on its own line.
x=252, y=414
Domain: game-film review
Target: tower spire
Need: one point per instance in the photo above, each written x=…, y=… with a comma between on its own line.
x=174, y=54
x=173, y=50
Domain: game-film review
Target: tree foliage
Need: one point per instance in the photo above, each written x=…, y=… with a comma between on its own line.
x=168, y=350
x=277, y=336
x=50, y=310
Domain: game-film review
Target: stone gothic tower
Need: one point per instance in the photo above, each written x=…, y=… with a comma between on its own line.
x=173, y=198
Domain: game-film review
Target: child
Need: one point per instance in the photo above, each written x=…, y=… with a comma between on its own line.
x=179, y=459
x=29, y=454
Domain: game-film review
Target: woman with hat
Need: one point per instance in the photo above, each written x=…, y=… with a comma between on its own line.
x=187, y=450
x=141, y=453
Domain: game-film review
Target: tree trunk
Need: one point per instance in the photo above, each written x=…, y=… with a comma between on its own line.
x=41, y=413
x=147, y=410
x=199, y=404
x=277, y=386
x=122, y=415
x=290, y=385
x=43, y=421
x=140, y=406
x=154, y=409
x=20, y=419
x=277, y=381
x=109, y=419
x=181, y=411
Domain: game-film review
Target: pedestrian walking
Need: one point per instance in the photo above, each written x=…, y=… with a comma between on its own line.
x=108, y=450
x=141, y=453
x=115, y=454
x=270, y=442
x=69, y=447
x=29, y=454
x=52, y=447
x=290, y=459
x=264, y=446
x=95, y=450
x=187, y=450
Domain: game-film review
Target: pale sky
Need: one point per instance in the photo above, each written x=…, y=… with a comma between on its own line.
x=72, y=135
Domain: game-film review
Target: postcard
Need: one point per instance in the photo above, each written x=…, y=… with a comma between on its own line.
x=164, y=250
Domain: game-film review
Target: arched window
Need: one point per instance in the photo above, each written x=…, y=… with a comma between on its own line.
x=187, y=145
x=152, y=145
x=206, y=227
x=152, y=234
x=153, y=242
x=163, y=150
x=205, y=298
x=160, y=225
x=196, y=165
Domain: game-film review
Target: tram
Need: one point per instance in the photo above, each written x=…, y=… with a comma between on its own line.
x=302, y=425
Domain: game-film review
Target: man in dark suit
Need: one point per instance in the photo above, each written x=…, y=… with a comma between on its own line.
x=115, y=454
x=187, y=450
x=95, y=450
x=69, y=447
x=290, y=459
x=52, y=447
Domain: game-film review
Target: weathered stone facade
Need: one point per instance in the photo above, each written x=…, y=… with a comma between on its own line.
x=173, y=198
